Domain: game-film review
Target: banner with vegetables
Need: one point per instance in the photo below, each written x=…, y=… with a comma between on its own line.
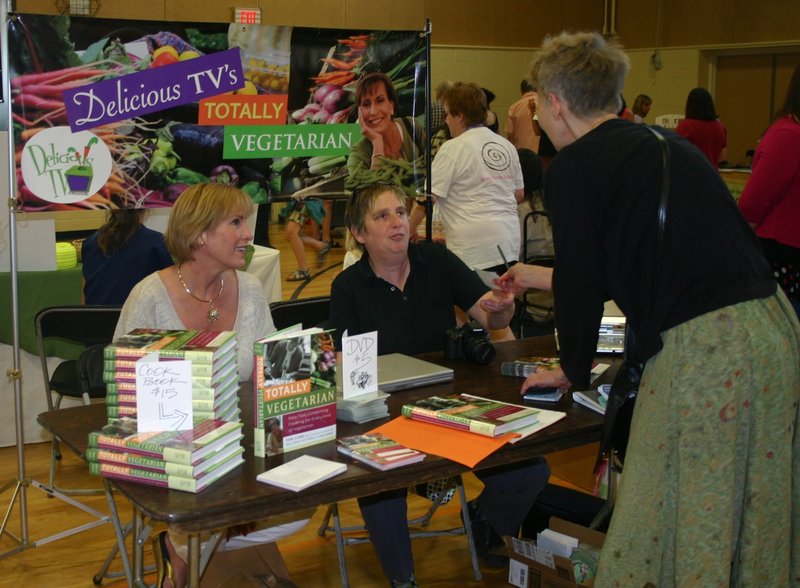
x=120, y=113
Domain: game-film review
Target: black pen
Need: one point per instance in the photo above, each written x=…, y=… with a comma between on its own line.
x=503, y=255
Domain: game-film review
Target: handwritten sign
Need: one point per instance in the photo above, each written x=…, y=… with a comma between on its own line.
x=359, y=364
x=163, y=394
x=153, y=90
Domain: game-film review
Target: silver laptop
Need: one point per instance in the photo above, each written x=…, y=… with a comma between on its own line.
x=397, y=371
x=611, y=338
x=612, y=330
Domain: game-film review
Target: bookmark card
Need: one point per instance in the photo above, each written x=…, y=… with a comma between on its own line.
x=487, y=278
x=359, y=364
x=163, y=394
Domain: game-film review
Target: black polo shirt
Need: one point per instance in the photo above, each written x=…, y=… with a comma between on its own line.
x=415, y=319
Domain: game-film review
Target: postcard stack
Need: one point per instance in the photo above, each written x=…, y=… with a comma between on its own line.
x=362, y=408
x=295, y=390
x=179, y=460
x=527, y=365
x=214, y=378
x=379, y=451
x=189, y=459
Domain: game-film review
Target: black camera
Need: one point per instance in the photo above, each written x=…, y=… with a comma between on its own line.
x=470, y=341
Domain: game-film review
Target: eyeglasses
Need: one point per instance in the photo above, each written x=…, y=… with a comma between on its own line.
x=361, y=187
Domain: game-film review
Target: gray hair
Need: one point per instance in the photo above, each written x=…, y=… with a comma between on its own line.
x=582, y=69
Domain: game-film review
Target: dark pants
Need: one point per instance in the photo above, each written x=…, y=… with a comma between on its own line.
x=508, y=494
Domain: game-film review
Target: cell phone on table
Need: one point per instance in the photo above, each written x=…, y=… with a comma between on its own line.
x=543, y=394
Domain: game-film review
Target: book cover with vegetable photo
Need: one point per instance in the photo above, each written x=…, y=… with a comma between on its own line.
x=295, y=391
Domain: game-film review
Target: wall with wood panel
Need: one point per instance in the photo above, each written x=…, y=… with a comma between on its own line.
x=499, y=23
x=493, y=43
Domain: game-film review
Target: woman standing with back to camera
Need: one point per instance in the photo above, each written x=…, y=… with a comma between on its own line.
x=702, y=127
x=771, y=199
x=710, y=495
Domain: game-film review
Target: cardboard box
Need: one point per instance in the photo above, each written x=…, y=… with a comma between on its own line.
x=526, y=572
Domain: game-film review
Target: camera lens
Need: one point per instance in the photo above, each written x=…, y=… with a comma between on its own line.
x=479, y=350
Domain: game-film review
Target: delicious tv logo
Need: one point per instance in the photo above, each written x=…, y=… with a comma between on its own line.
x=65, y=167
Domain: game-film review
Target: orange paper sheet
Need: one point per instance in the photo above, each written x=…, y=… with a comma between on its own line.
x=459, y=446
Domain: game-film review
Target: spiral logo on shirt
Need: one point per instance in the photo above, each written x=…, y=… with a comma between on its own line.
x=495, y=156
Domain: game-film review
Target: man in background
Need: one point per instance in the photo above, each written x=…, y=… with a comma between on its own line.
x=520, y=121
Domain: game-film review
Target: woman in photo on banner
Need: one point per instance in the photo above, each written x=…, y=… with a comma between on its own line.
x=392, y=147
x=710, y=495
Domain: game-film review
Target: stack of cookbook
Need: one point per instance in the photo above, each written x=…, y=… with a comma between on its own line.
x=180, y=460
x=190, y=459
x=214, y=376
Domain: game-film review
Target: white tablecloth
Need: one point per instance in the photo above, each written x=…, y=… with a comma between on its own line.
x=266, y=266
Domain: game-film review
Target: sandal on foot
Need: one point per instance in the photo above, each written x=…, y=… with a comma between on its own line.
x=298, y=276
x=322, y=253
x=163, y=561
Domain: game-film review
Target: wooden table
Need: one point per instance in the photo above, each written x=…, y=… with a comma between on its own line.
x=239, y=498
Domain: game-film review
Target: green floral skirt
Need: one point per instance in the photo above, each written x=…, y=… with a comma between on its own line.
x=710, y=495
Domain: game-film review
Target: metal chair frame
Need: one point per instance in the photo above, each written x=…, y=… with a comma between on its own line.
x=527, y=308
x=88, y=325
x=418, y=527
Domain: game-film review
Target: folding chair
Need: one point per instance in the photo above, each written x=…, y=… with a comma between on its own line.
x=91, y=326
x=441, y=493
x=308, y=311
x=535, y=313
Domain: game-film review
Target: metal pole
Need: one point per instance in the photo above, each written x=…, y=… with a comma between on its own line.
x=14, y=373
x=428, y=196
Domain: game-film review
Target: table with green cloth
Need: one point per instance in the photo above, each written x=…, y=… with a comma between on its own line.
x=36, y=290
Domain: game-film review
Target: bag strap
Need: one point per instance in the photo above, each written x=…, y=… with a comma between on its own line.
x=661, y=216
x=617, y=396
x=664, y=198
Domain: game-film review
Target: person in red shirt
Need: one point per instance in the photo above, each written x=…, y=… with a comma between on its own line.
x=771, y=199
x=702, y=127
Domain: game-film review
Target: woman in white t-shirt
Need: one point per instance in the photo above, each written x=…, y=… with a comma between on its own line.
x=477, y=183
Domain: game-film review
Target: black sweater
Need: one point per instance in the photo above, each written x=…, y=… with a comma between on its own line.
x=602, y=196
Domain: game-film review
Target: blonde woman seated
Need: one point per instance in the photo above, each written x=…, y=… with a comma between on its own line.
x=207, y=235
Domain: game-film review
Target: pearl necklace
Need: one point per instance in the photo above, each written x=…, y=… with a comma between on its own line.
x=213, y=311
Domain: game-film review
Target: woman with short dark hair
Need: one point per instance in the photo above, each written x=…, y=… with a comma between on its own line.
x=407, y=293
x=702, y=127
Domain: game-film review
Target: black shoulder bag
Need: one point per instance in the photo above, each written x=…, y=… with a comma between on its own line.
x=621, y=399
